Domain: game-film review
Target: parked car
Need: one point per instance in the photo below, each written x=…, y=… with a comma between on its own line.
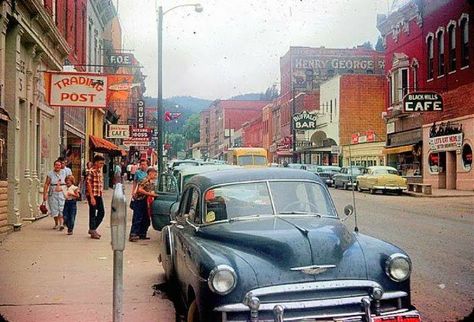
x=170, y=187
x=381, y=178
x=296, y=166
x=347, y=177
x=268, y=245
x=326, y=172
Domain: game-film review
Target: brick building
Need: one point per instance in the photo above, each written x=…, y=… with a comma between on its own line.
x=429, y=48
x=349, y=113
x=219, y=121
x=252, y=133
x=303, y=70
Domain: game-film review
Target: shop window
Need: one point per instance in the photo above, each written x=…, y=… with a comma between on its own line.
x=464, y=29
x=433, y=160
x=467, y=157
x=452, y=48
x=440, y=36
x=430, y=57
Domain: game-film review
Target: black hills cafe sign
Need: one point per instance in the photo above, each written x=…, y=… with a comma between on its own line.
x=305, y=121
x=422, y=102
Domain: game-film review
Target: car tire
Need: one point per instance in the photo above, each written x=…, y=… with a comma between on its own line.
x=344, y=186
x=372, y=191
x=399, y=192
x=336, y=186
x=193, y=313
x=166, y=253
x=358, y=187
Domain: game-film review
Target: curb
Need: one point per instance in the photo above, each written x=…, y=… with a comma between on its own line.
x=420, y=195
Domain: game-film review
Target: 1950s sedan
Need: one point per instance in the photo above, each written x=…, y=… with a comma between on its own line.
x=381, y=178
x=268, y=245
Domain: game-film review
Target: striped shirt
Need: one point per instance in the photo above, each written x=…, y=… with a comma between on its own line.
x=96, y=180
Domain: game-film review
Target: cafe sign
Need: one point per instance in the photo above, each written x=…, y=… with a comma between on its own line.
x=422, y=102
x=446, y=142
x=118, y=131
x=305, y=121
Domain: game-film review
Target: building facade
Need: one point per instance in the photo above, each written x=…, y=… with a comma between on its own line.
x=26, y=50
x=429, y=49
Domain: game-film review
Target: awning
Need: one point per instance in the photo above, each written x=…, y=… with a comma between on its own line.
x=104, y=146
x=398, y=149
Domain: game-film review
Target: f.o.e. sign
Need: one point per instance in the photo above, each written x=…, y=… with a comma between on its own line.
x=422, y=102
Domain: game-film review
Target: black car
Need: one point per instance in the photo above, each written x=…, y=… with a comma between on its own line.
x=347, y=177
x=268, y=245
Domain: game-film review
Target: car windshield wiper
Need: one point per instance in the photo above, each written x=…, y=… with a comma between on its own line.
x=293, y=212
x=246, y=217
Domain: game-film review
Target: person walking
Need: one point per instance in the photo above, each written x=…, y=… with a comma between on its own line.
x=53, y=193
x=133, y=170
x=70, y=206
x=95, y=189
x=129, y=172
x=141, y=219
x=64, y=167
x=85, y=173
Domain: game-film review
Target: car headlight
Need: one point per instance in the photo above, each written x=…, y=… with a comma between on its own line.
x=222, y=279
x=398, y=267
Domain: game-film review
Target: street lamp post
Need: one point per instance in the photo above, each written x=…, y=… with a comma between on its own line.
x=159, y=109
x=292, y=126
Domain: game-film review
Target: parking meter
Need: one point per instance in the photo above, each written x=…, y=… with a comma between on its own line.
x=118, y=218
x=118, y=226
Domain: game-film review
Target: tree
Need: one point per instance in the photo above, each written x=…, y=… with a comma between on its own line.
x=177, y=143
x=270, y=93
x=191, y=129
x=367, y=45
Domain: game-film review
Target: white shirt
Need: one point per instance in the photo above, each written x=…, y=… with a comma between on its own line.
x=70, y=192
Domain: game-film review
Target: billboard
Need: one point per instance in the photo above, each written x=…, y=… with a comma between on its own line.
x=76, y=89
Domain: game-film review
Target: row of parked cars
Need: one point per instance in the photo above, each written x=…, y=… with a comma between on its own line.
x=267, y=244
x=372, y=179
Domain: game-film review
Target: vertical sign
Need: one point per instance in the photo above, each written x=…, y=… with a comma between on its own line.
x=140, y=114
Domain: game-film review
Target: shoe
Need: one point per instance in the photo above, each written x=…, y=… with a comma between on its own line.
x=98, y=234
x=133, y=238
x=144, y=237
x=55, y=227
x=61, y=228
x=95, y=236
x=69, y=232
x=90, y=232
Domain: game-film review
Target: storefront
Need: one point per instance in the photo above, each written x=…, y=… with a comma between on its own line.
x=404, y=152
x=364, y=154
x=448, y=156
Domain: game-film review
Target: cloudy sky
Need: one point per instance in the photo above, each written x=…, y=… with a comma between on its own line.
x=233, y=47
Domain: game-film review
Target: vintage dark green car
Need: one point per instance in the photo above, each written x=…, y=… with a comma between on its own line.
x=268, y=245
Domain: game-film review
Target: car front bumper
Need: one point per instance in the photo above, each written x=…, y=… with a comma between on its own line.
x=260, y=304
x=391, y=187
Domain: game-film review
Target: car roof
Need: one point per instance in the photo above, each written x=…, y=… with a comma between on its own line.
x=381, y=167
x=208, y=179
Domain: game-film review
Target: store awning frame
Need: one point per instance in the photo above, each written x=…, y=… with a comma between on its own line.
x=103, y=146
x=398, y=149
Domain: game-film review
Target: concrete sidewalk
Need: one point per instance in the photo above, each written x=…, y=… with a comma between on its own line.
x=46, y=275
x=442, y=193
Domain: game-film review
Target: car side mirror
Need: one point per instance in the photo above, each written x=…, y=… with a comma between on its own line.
x=174, y=210
x=348, y=210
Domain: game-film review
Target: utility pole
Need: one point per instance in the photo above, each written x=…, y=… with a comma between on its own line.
x=159, y=108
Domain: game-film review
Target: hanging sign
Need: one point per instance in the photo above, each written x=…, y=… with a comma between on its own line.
x=77, y=89
x=140, y=114
x=422, y=102
x=118, y=131
x=305, y=121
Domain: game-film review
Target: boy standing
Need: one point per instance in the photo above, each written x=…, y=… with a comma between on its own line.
x=95, y=189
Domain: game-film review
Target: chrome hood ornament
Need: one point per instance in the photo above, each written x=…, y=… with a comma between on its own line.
x=313, y=269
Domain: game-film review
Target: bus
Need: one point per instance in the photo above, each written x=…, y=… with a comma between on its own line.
x=246, y=157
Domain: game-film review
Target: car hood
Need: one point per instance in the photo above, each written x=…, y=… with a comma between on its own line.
x=275, y=247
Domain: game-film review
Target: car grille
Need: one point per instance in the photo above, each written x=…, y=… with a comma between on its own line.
x=317, y=301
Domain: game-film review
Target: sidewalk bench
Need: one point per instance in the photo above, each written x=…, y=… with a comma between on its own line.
x=420, y=187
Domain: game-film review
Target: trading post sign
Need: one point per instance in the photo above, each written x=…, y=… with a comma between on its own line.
x=77, y=89
x=422, y=102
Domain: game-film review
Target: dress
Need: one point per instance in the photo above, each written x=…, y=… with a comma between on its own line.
x=56, y=196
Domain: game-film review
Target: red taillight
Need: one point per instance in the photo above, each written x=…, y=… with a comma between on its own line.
x=404, y=318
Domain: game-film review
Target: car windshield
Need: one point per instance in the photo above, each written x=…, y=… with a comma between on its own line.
x=385, y=171
x=244, y=200
x=354, y=171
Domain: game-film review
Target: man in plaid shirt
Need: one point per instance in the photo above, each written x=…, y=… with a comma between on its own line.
x=95, y=188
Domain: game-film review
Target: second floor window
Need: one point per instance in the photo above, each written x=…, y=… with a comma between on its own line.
x=399, y=84
x=464, y=26
x=430, y=57
x=452, y=48
x=440, y=53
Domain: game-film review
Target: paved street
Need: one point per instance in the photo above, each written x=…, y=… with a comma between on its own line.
x=437, y=233
x=46, y=275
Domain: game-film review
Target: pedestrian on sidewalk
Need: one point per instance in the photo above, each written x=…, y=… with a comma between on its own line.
x=140, y=174
x=85, y=173
x=53, y=193
x=117, y=174
x=144, y=195
x=70, y=205
x=129, y=172
x=95, y=190
x=133, y=170
x=64, y=166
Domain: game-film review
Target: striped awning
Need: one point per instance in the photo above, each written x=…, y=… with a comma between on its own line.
x=103, y=146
